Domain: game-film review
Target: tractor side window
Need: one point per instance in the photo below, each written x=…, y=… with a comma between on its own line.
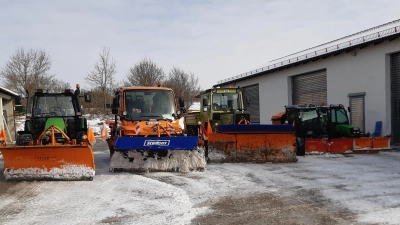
x=205, y=100
x=341, y=116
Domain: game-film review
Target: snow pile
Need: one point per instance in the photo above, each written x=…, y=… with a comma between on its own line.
x=66, y=172
x=178, y=160
x=20, y=123
x=195, y=106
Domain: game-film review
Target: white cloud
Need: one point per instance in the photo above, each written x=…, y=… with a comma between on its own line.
x=213, y=39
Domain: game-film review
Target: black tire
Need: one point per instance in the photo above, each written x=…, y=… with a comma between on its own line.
x=300, y=146
x=111, y=152
x=79, y=136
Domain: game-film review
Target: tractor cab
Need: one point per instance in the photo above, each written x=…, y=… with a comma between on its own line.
x=60, y=109
x=335, y=122
x=223, y=106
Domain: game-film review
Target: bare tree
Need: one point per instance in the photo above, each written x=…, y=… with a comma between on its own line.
x=27, y=70
x=145, y=73
x=56, y=84
x=102, y=77
x=185, y=85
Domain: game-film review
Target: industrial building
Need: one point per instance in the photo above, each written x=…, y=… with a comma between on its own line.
x=360, y=71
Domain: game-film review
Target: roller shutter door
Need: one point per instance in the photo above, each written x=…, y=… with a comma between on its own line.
x=395, y=90
x=309, y=88
x=357, y=112
x=251, y=98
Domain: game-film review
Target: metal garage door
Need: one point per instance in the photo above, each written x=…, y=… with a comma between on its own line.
x=251, y=98
x=309, y=88
x=357, y=118
x=395, y=90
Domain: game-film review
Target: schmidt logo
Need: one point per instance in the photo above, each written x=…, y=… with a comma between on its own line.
x=156, y=142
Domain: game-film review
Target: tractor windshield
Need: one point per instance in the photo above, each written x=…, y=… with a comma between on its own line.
x=149, y=104
x=47, y=106
x=225, y=101
x=308, y=123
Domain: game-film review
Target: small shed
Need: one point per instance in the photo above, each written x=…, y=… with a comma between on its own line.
x=7, y=120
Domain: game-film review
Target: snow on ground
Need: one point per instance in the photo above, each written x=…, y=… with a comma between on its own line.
x=367, y=185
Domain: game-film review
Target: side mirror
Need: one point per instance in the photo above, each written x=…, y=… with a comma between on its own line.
x=18, y=100
x=87, y=97
x=115, y=103
x=114, y=111
x=205, y=102
x=115, y=106
x=181, y=103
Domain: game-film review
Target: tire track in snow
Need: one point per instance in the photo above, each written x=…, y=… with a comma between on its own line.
x=16, y=197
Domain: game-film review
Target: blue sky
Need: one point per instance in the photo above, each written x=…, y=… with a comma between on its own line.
x=213, y=39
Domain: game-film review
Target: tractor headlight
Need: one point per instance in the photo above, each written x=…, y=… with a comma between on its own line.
x=199, y=123
x=124, y=113
x=216, y=124
x=84, y=137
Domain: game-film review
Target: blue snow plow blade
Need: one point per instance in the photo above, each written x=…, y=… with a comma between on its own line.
x=255, y=128
x=156, y=143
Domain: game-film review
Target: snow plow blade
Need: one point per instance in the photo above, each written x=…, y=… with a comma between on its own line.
x=254, y=143
x=336, y=146
x=43, y=162
x=157, y=154
x=371, y=145
x=381, y=143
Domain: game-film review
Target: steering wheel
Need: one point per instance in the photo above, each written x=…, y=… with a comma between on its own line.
x=54, y=109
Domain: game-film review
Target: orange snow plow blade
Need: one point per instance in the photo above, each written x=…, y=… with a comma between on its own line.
x=371, y=145
x=43, y=162
x=317, y=146
x=381, y=143
x=261, y=147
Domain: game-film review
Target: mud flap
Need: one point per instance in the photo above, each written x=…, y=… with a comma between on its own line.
x=42, y=162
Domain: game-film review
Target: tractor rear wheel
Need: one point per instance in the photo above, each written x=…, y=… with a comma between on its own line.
x=300, y=146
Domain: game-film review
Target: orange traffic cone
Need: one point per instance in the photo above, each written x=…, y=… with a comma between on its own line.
x=104, y=132
x=209, y=129
x=91, y=138
x=3, y=134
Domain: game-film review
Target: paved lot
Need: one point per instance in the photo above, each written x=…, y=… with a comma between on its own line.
x=364, y=189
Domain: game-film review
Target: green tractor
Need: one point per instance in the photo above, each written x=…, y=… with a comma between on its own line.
x=218, y=106
x=322, y=121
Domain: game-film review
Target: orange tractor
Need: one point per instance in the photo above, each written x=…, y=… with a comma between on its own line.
x=146, y=134
x=54, y=144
